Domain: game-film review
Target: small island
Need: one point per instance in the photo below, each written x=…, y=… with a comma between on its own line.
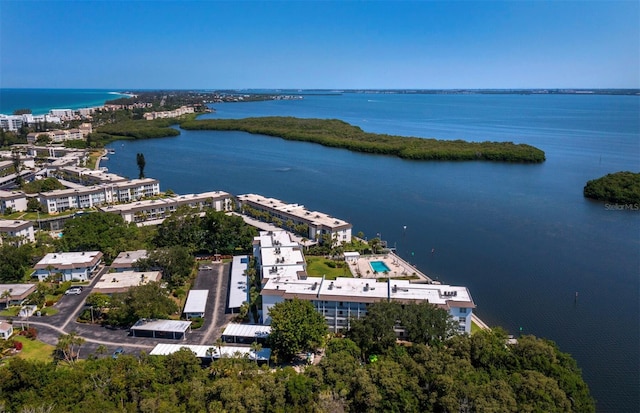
x=619, y=187
x=338, y=134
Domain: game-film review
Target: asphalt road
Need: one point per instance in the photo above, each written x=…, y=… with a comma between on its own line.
x=214, y=277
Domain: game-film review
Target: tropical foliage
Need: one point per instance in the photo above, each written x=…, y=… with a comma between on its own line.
x=619, y=187
x=296, y=327
x=339, y=134
x=42, y=185
x=479, y=373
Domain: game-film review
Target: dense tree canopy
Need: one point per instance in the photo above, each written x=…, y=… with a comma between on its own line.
x=14, y=261
x=215, y=232
x=619, y=187
x=100, y=231
x=419, y=378
x=176, y=264
x=143, y=301
x=296, y=326
x=336, y=133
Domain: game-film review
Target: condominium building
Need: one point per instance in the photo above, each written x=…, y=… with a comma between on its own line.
x=17, y=232
x=12, y=200
x=318, y=224
x=158, y=209
x=342, y=299
x=79, y=266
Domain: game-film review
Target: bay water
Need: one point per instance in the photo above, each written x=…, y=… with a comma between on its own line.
x=537, y=256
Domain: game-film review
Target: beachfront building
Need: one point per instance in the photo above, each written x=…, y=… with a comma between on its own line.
x=97, y=195
x=14, y=201
x=14, y=122
x=120, y=282
x=183, y=110
x=17, y=232
x=342, y=299
x=79, y=266
x=158, y=209
x=316, y=225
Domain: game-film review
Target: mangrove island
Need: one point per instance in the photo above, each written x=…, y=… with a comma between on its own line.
x=620, y=187
x=338, y=134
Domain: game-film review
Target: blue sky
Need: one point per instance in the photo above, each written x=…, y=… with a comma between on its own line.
x=319, y=44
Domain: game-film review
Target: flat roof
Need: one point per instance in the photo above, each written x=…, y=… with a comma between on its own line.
x=296, y=210
x=247, y=330
x=68, y=260
x=238, y=291
x=14, y=224
x=281, y=238
x=367, y=290
x=122, y=281
x=126, y=259
x=169, y=326
x=17, y=290
x=196, y=301
x=201, y=351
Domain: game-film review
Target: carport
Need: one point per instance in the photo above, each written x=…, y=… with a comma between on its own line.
x=173, y=329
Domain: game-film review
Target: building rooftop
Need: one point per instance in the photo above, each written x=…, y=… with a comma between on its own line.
x=66, y=260
x=17, y=290
x=121, y=281
x=168, y=326
x=315, y=217
x=127, y=259
x=202, y=351
x=196, y=301
x=247, y=330
x=368, y=290
x=238, y=286
x=14, y=224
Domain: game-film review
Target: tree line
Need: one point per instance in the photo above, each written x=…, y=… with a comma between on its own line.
x=477, y=373
x=339, y=134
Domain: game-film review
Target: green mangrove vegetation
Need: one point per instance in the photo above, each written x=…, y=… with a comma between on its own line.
x=339, y=134
x=619, y=187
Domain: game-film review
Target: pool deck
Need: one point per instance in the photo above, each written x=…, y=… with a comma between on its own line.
x=398, y=267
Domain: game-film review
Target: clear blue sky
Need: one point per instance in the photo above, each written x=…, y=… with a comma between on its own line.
x=313, y=44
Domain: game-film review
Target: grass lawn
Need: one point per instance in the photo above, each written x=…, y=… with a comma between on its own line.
x=34, y=349
x=10, y=312
x=317, y=267
x=49, y=311
x=474, y=327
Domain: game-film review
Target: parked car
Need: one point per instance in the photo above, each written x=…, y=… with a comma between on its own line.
x=73, y=291
x=118, y=351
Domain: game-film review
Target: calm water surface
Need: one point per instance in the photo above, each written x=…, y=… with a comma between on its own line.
x=521, y=237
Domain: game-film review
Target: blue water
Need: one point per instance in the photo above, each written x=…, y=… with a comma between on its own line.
x=521, y=237
x=379, y=266
x=40, y=101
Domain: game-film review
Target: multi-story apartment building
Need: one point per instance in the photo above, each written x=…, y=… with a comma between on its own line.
x=156, y=209
x=17, y=232
x=319, y=224
x=342, y=299
x=12, y=200
x=72, y=265
x=98, y=195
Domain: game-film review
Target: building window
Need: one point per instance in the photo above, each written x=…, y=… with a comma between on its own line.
x=463, y=320
x=463, y=310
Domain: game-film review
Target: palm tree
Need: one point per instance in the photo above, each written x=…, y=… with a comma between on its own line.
x=6, y=294
x=255, y=349
x=210, y=353
x=219, y=344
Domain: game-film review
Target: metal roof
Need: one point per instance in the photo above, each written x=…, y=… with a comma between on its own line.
x=196, y=301
x=238, y=290
x=171, y=326
x=201, y=351
x=246, y=330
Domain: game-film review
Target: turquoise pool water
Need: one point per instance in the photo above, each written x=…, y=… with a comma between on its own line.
x=379, y=266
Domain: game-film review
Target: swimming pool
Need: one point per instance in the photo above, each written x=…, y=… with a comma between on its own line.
x=379, y=266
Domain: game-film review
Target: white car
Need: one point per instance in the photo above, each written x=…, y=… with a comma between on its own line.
x=73, y=291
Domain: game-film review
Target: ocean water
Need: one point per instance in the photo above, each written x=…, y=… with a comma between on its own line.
x=40, y=101
x=521, y=237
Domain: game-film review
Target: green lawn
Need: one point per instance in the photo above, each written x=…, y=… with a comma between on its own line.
x=474, y=327
x=34, y=349
x=10, y=312
x=318, y=266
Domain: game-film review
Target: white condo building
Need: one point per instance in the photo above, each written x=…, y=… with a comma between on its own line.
x=319, y=223
x=18, y=230
x=339, y=300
